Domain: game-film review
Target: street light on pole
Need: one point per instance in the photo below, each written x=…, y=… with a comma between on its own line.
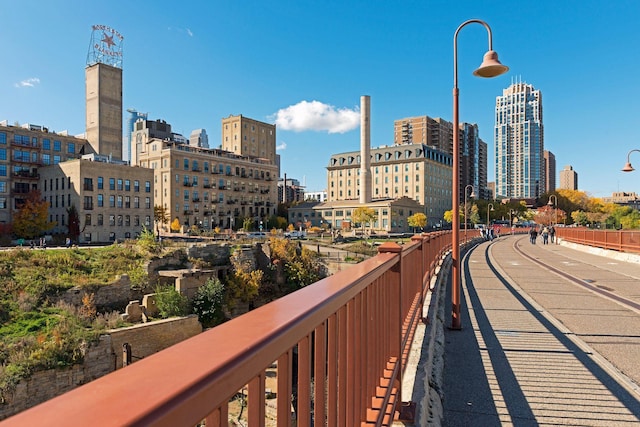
x=472, y=195
x=490, y=67
x=489, y=209
x=555, y=199
x=628, y=167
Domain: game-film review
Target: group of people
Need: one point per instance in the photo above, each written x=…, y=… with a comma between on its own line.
x=546, y=231
x=490, y=233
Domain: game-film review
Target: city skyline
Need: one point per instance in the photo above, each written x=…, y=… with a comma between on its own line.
x=276, y=63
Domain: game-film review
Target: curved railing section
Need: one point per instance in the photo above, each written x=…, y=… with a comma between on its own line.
x=337, y=348
x=617, y=240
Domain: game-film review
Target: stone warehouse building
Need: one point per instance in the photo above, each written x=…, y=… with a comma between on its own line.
x=211, y=188
x=114, y=201
x=24, y=149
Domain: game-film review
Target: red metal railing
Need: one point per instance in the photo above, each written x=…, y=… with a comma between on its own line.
x=348, y=335
x=617, y=240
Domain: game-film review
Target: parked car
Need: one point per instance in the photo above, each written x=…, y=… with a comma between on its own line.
x=295, y=234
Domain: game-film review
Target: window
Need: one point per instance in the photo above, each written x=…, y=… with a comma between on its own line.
x=57, y=146
x=112, y=184
x=88, y=184
x=3, y=170
x=3, y=186
x=127, y=202
x=147, y=202
x=147, y=186
x=136, y=186
x=88, y=203
x=71, y=147
x=3, y=154
x=46, y=159
x=136, y=202
x=186, y=164
x=3, y=203
x=127, y=185
x=100, y=200
x=120, y=187
x=87, y=219
x=56, y=159
x=112, y=220
x=119, y=202
x=112, y=201
x=3, y=137
x=46, y=144
x=100, y=183
x=100, y=219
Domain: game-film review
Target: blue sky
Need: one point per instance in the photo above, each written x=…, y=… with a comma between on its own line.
x=305, y=64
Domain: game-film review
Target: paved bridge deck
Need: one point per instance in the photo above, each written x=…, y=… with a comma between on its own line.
x=550, y=336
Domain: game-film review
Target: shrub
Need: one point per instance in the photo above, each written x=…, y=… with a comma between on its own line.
x=170, y=302
x=208, y=302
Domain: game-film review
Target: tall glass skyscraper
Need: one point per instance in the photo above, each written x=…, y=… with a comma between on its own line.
x=131, y=119
x=519, y=142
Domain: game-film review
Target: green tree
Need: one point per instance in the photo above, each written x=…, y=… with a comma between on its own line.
x=208, y=303
x=417, y=220
x=74, y=223
x=170, y=302
x=160, y=216
x=363, y=216
x=30, y=220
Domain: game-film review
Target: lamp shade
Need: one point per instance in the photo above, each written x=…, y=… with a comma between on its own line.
x=628, y=168
x=491, y=66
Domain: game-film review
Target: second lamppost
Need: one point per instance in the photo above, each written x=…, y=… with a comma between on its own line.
x=490, y=67
x=628, y=167
x=472, y=195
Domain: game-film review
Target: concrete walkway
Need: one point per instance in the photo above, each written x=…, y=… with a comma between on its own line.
x=525, y=355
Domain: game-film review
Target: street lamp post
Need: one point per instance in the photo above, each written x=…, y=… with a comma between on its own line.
x=490, y=67
x=489, y=209
x=472, y=195
x=628, y=167
x=555, y=205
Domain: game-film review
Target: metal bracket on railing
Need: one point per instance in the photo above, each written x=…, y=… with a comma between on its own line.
x=407, y=412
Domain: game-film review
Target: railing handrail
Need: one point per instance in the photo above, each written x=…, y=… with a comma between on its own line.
x=618, y=240
x=192, y=380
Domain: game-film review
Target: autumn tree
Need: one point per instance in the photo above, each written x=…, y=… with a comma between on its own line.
x=363, y=216
x=30, y=220
x=417, y=220
x=175, y=225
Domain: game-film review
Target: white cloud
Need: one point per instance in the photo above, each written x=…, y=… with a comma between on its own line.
x=317, y=116
x=282, y=146
x=189, y=32
x=30, y=82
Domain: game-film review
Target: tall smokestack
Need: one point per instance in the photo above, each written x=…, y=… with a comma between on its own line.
x=365, y=149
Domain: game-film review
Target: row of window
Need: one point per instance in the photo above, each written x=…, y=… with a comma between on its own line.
x=117, y=220
x=27, y=141
x=118, y=201
x=118, y=184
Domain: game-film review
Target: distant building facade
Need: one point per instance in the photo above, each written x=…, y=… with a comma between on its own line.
x=438, y=133
x=114, y=201
x=23, y=151
x=131, y=119
x=103, y=84
x=392, y=214
x=318, y=196
x=568, y=179
x=207, y=188
x=519, y=142
x=415, y=171
x=290, y=190
x=549, y=171
x=248, y=137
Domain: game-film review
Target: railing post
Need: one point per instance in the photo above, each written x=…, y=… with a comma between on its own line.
x=396, y=315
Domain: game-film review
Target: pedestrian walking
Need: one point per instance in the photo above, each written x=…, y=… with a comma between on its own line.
x=545, y=236
x=552, y=234
x=533, y=235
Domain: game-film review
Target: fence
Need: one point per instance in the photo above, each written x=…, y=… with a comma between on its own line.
x=617, y=240
x=339, y=348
